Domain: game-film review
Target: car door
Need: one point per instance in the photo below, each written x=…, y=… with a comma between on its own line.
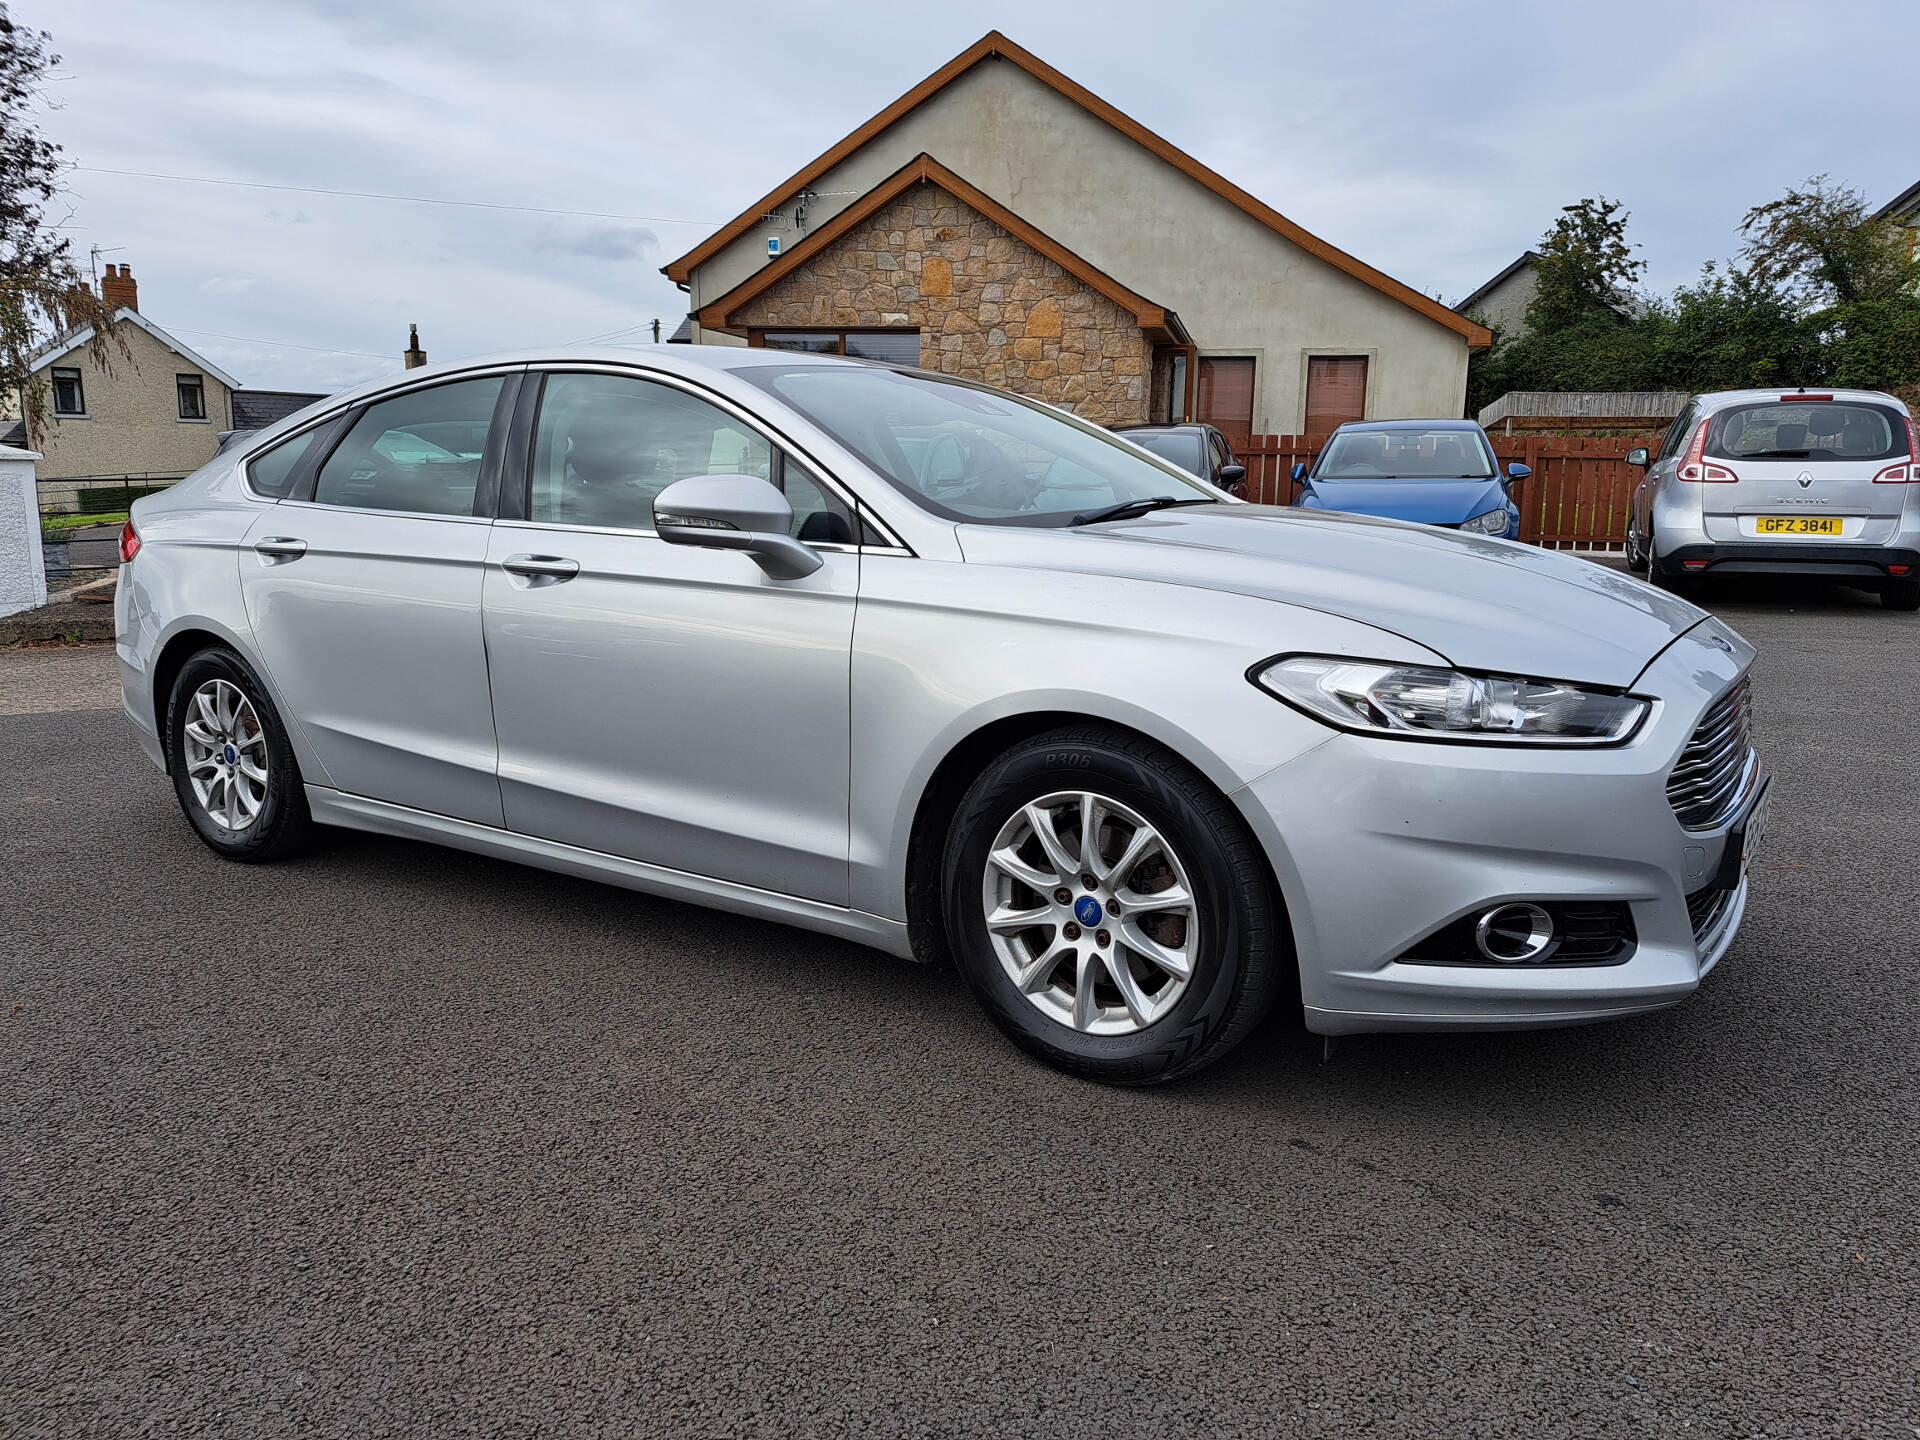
x=1660, y=469
x=363, y=590
x=668, y=704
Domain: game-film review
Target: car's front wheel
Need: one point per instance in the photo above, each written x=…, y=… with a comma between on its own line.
x=1110, y=910
x=1636, y=550
x=233, y=768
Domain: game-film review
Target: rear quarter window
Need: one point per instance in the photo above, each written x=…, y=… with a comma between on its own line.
x=271, y=472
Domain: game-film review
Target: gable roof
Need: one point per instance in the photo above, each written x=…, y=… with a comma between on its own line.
x=923, y=169
x=993, y=44
x=1906, y=203
x=257, y=409
x=74, y=339
x=1527, y=257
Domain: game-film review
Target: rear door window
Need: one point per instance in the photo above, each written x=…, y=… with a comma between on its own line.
x=419, y=452
x=1789, y=429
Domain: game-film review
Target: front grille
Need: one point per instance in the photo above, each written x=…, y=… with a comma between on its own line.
x=1706, y=909
x=1714, y=773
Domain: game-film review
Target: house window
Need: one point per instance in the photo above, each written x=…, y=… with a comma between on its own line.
x=68, y=397
x=193, y=396
x=897, y=347
x=1225, y=394
x=1336, y=391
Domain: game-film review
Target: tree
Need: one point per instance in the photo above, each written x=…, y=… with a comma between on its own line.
x=42, y=293
x=1586, y=267
x=1820, y=243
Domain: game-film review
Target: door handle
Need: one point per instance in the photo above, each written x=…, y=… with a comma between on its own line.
x=280, y=547
x=541, y=567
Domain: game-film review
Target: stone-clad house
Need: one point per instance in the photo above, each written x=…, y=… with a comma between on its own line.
x=1002, y=223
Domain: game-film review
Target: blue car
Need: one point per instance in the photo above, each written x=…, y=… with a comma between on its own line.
x=1437, y=472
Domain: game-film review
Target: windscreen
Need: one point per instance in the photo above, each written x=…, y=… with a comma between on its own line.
x=1182, y=447
x=1450, y=454
x=969, y=453
x=1807, y=430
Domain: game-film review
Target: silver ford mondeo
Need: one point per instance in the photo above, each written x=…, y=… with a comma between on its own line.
x=919, y=663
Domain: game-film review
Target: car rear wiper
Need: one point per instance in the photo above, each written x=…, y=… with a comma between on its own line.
x=1776, y=455
x=1127, y=509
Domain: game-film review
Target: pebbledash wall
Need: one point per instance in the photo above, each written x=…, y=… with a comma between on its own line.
x=132, y=423
x=988, y=306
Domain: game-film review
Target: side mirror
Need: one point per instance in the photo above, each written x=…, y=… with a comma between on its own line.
x=1299, y=472
x=1518, y=472
x=1638, y=456
x=734, y=512
x=1232, y=479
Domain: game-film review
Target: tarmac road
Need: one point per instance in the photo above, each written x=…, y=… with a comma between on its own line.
x=392, y=1140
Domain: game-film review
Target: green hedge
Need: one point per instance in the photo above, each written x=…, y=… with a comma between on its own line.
x=105, y=499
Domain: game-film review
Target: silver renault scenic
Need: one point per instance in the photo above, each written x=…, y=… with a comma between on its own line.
x=1805, y=484
x=928, y=666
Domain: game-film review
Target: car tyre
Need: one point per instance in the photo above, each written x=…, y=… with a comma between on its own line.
x=1671, y=580
x=233, y=769
x=1237, y=958
x=1636, y=551
x=1901, y=595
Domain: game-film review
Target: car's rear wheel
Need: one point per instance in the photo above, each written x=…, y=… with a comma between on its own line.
x=1667, y=577
x=1110, y=910
x=1901, y=595
x=233, y=768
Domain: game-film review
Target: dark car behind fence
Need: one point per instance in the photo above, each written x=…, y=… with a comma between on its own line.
x=1576, y=498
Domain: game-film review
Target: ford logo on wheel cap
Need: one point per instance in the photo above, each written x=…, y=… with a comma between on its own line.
x=1087, y=911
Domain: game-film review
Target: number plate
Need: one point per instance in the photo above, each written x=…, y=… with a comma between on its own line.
x=1754, y=831
x=1797, y=525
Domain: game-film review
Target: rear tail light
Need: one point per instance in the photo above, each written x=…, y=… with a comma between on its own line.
x=1907, y=472
x=129, y=542
x=1696, y=469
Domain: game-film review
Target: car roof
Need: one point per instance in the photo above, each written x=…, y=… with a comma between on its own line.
x=1720, y=399
x=1411, y=425
x=1143, y=425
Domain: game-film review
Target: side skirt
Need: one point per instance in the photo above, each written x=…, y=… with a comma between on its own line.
x=356, y=812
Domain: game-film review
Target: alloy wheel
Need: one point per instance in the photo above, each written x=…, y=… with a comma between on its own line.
x=1090, y=912
x=226, y=755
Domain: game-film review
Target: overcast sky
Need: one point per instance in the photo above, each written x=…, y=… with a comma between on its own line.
x=1434, y=140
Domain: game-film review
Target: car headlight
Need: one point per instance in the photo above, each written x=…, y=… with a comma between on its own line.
x=1419, y=702
x=1494, y=522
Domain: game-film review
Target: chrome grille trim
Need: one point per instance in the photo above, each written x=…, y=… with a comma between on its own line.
x=1719, y=767
x=1710, y=910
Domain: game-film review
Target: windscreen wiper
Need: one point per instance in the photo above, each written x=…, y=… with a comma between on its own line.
x=1127, y=509
x=1776, y=455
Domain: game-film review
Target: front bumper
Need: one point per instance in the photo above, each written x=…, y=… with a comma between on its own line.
x=1378, y=843
x=1801, y=558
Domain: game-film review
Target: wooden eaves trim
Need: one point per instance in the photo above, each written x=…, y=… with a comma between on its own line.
x=993, y=43
x=1156, y=320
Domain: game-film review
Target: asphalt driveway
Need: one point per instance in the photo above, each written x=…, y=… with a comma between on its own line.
x=394, y=1140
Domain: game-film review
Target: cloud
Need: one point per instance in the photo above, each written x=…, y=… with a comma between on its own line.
x=227, y=285
x=598, y=242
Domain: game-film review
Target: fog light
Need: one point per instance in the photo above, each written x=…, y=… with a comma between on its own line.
x=1514, y=934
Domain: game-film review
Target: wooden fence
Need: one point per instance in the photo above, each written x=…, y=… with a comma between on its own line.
x=1576, y=499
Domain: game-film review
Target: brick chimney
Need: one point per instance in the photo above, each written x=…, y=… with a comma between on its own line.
x=413, y=354
x=117, y=288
